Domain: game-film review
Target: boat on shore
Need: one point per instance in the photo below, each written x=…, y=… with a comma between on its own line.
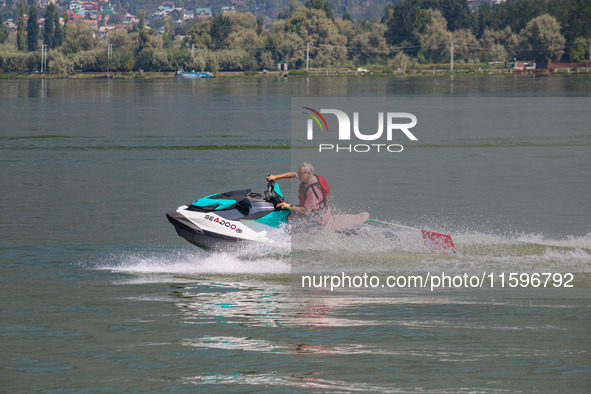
x=193, y=74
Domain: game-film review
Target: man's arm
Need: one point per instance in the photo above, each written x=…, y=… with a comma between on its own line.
x=295, y=208
x=287, y=175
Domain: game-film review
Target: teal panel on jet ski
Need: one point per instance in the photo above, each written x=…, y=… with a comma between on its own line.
x=207, y=202
x=277, y=190
x=275, y=218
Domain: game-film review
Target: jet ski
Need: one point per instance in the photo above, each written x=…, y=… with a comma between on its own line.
x=216, y=221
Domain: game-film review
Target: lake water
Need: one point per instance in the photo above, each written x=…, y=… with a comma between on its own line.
x=99, y=294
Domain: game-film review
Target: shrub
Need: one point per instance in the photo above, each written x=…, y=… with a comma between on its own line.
x=58, y=63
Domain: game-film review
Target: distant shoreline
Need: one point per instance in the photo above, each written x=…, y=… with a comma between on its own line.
x=298, y=73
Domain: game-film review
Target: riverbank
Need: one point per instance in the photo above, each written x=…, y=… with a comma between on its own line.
x=302, y=73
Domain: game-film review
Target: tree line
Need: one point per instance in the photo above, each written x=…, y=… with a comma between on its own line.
x=538, y=30
x=410, y=34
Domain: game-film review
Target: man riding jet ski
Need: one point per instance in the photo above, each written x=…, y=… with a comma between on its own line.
x=218, y=220
x=314, y=209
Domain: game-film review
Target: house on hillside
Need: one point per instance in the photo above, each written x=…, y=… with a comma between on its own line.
x=104, y=31
x=109, y=10
x=10, y=24
x=45, y=3
x=129, y=19
x=162, y=12
x=74, y=16
x=91, y=7
x=92, y=23
x=203, y=13
x=75, y=5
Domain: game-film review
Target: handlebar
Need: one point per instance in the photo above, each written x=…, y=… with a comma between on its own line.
x=271, y=186
x=272, y=195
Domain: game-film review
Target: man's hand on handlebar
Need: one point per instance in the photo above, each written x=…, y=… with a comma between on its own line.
x=284, y=205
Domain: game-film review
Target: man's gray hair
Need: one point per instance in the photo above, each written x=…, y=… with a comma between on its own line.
x=308, y=167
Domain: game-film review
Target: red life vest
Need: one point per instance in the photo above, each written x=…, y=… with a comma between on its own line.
x=321, y=185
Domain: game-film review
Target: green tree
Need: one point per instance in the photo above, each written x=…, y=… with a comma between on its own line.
x=120, y=40
x=406, y=23
x=504, y=37
x=32, y=30
x=323, y=5
x=17, y=61
x=177, y=15
x=466, y=46
x=268, y=53
x=144, y=59
x=404, y=19
x=198, y=62
x=125, y=60
x=260, y=25
x=58, y=63
x=496, y=53
x=574, y=16
x=66, y=21
x=499, y=45
x=349, y=30
x=198, y=35
x=50, y=22
x=144, y=38
x=308, y=25
x=401, y=62
x=519, y=12
x=3, y=31
x=167, y=37
x=221, y=27
x=79, y=37
x=21, y=38
x=58, y=31
x=455, y=12
x=369, y=46
x=244, y=32
x=579, y=52
x=160, y=61
x=513, y=13
x=541, y=39
x=287, y=12
x=89, y=61
x=483, y=19
x=436, y=40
